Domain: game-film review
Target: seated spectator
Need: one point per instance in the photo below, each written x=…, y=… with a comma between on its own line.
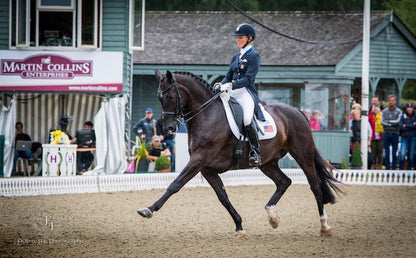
x=168, y=139
x=157, y=149
x=84, y=158
x=20, y=136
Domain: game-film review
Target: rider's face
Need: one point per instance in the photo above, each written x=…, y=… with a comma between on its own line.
x=241, y=41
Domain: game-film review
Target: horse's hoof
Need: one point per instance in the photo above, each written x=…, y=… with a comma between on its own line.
x=145, y=212
x=274, y=221
x=240, y=234
x=326, y=233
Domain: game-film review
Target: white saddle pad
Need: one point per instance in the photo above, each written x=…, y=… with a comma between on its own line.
x=268, y=127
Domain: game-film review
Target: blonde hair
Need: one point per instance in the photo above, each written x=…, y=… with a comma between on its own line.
x=356, y=106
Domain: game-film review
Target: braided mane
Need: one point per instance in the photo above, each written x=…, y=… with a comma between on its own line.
x=198, y=79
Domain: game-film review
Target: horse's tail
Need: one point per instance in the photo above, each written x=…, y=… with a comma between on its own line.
x=326, y=179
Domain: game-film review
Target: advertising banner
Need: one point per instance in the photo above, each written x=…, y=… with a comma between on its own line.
x=69, y=71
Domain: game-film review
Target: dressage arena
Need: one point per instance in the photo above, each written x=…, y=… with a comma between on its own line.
x=369, y=221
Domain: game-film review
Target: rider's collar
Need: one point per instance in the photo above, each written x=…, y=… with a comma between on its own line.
x=244, y=50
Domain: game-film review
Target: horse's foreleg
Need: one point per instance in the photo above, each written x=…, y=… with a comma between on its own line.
x=216, y=183
x=189, y=172
x=282, y=182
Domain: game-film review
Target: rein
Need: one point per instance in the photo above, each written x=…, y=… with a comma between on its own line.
x=202, y=107
x=179, y=107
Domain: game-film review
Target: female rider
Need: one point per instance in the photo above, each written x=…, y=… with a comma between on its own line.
x=239, y=81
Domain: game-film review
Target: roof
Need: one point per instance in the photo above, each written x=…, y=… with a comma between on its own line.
x=205, y=38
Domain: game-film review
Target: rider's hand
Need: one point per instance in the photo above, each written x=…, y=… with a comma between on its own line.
x=226, y=86
x=217, y=86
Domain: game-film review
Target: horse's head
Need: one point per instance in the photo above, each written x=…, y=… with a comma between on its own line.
x=170, y=98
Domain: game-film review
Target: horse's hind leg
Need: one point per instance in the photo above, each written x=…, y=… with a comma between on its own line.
x=216, y=183
x=282, y=182
x=307, y=162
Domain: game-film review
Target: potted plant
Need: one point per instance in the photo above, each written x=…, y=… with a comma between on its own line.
x=356, y=161
x=343, y=164
x=162, y=164
x=142, y=162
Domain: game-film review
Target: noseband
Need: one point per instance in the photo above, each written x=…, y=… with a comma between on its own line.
x=178, y=114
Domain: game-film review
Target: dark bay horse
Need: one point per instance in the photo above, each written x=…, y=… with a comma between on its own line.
x=211, y=146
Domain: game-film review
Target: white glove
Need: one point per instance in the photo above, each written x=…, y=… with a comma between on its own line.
x=217, y=86
x=226, y=86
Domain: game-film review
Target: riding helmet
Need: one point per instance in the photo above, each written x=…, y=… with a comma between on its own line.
x=245, y=29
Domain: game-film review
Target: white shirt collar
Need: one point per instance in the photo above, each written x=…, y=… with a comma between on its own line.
x=244, y=50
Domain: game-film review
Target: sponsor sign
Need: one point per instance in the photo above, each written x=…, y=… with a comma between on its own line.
x=61, y=71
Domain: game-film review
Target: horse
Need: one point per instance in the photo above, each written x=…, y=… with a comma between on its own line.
x=211, y=143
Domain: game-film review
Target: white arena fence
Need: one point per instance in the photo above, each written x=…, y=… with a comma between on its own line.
x=32, y=186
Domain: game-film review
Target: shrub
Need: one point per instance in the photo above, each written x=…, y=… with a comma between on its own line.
x=356, y=160
x=162, y=162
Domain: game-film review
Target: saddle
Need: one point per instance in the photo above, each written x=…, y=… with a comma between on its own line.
x=265, y=129
x=234, y=112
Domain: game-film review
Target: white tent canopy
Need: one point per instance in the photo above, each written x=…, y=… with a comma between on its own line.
x=7, y=122
x=109, y=132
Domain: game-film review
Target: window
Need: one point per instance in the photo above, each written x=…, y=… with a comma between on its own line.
x=137, y=24
x=330, y=101
x=55, y=23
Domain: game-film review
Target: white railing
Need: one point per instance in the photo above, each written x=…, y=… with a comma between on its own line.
x=29, y=186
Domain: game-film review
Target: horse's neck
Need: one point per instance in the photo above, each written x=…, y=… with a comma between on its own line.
x=213, y=117
x=193, y=94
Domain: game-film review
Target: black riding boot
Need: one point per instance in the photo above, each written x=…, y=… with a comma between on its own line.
x=254, y=158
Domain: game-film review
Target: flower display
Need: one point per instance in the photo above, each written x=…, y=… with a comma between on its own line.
x=59, y=137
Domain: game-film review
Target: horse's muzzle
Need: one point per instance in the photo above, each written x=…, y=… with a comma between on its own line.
x=171, y=128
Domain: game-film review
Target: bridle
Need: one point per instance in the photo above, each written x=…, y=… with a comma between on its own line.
x=179, y=113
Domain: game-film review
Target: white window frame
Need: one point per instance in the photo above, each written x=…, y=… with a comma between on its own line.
x=26, y=22
x=40, y=9
x=60, y=7
x=132, y=26
x=76, y=24
x=79, y=28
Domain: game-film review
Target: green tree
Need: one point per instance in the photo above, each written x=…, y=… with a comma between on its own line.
x=264, y=5
x=405, y=10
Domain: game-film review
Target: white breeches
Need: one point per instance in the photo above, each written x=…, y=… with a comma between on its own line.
x=244, y=98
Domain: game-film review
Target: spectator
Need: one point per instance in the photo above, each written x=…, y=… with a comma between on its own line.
x=314, y=121
x=407, y=126
x=390, y=118
x=355, y=128
x=355, y=106
x=168, y=139
x=374, y=101
x=145, y=128
x=61, y=135
x=20, y=136
x=374, y=118
x=157, y=149
x=84, y=158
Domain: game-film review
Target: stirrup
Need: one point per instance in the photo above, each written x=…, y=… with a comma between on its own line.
x=254, y=159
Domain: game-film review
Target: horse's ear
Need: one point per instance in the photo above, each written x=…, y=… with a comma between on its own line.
x=169, y=76
x=158, y=75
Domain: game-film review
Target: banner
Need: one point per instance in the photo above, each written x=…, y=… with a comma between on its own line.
x=70, y=71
